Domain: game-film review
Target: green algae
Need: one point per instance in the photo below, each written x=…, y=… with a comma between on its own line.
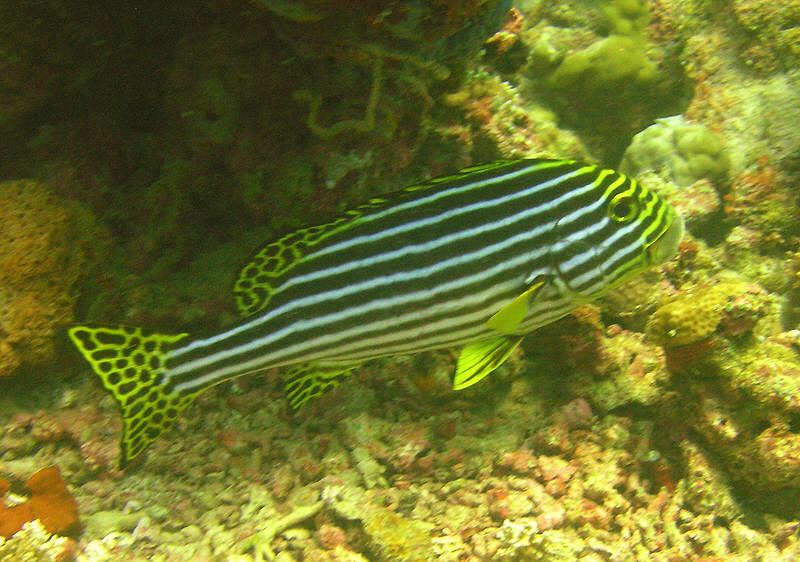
x=390, y=536
x=393, y=537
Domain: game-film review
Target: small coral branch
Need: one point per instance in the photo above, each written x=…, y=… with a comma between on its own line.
x=364, y=125
x=367, y=123
x=261, y=541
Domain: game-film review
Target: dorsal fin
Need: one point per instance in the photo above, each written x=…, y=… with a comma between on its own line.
x=266, y=270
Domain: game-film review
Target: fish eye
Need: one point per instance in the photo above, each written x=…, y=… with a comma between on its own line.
x=622, y=208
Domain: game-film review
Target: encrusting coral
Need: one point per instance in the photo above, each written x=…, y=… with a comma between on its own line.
x=696, y=315
x=47, y=244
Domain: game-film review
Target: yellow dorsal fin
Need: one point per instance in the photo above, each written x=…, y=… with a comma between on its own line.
x=267, y=268
x=508, y=318
x=481, y=358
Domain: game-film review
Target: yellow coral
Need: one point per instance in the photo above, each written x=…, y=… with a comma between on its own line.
x=47, y=244
x=393, y=537
x=694, y=316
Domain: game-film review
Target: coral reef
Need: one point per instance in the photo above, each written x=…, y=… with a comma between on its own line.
x=515, y=126
x=48, y=244
x=597, y=61
x=660, y=423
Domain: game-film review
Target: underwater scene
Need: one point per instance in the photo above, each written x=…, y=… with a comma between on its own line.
x=400, y=280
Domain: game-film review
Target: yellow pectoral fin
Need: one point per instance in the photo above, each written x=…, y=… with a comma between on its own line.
x=481, y=358
x=508, y=318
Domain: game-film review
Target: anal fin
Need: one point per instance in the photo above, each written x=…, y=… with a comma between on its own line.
x=481, y=358
x=311, y=380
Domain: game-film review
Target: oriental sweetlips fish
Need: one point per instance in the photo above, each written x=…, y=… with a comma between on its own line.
x=476, y=259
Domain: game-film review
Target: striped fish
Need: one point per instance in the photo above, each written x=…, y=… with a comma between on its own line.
x=476, y=259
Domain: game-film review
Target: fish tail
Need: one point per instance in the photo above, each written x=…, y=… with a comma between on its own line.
x=132, y=367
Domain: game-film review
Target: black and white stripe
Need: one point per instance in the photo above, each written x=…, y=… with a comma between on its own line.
x=430, y=269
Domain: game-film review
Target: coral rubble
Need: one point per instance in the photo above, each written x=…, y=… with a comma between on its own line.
x=34, y=544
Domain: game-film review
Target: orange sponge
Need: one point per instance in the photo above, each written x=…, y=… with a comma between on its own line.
x=50, y=503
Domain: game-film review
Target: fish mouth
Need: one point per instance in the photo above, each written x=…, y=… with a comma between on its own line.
x=666, y=245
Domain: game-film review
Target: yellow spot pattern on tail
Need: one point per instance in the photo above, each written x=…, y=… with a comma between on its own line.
x=131, y=366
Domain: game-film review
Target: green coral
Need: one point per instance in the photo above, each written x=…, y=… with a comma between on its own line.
x=615, y=61
x=605, y=65
x=627, y=17
x=686, y=151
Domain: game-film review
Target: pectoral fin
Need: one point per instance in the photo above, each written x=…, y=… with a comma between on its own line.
x=508, y=318
x=481, y=358
x=311, y=380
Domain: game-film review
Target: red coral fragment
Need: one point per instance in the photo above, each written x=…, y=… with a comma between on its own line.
x=51, y=503
x=12, y=518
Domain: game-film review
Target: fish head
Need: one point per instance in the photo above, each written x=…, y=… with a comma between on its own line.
x=625, y=230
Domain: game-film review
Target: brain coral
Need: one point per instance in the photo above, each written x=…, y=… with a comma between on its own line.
x=47, y=244
x=689, y=152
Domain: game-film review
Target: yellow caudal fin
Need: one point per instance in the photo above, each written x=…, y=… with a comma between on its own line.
x=131, y=366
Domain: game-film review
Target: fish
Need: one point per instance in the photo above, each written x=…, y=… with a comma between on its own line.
x=476, y=259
